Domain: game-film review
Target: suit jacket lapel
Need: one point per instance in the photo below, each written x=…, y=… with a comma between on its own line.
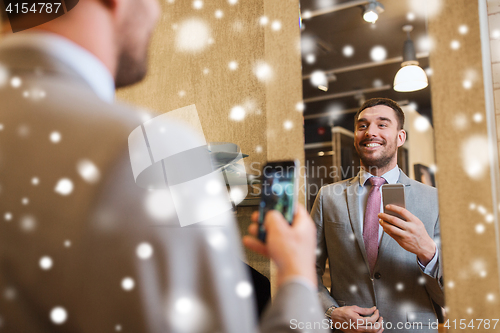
x=353, y=203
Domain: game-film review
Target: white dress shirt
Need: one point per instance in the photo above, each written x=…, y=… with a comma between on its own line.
x=87, y=65
x=391, y=177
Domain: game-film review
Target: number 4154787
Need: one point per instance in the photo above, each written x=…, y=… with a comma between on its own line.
x=37, y=8
x=472, y=324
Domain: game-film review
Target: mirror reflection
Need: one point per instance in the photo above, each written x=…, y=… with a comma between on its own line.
x=368, y=125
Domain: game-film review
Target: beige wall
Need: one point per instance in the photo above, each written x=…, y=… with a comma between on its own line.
x=179, y=75
x=463, y=156
x=420, y=142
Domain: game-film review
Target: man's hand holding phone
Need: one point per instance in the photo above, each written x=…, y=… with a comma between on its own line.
x=409, y=233
x=291, y=247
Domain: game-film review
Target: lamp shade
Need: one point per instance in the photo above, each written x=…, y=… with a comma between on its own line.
x=371, y=11
x=370, y=16
x=410, y=78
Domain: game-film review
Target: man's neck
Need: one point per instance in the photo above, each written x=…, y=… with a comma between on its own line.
x=96, y=35
x=379, y=171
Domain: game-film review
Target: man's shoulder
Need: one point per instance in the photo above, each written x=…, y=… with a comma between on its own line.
x=76, y=104
x=422, y=188
x=337, y=187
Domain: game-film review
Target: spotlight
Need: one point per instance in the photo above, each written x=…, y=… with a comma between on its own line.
x=319, y=80
x=372, y=10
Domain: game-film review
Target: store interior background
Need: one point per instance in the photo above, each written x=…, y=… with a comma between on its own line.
x=360, y=60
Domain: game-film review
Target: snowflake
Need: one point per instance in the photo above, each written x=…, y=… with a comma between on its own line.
x=348, y=51
x=45, y=263
x=276, y=25
x=28, y=223
x=159, y=205
x=217, y=240
x=455, y=44
x=233, y=65
x=237, y=113
x=197, y=4
x=128, y=284
x=58, y=315
x=300, y=107
x=244, y=289
x=144, y=251
x=88, y=171
x=192, y=36
x=64, y=187
x=16, y=82
x=55, y=137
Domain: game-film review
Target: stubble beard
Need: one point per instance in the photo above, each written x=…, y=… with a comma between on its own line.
x=133, y=56
x=380, y=162
x=130, y=69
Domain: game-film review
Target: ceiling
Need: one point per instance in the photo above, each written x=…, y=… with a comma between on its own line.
x=326, y=35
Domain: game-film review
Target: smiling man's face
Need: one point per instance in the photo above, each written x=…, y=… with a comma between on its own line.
x=377, y=137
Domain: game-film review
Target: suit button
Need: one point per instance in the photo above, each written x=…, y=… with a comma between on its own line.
x=377, y=275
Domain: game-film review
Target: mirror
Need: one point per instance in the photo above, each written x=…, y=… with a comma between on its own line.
x=346, y=61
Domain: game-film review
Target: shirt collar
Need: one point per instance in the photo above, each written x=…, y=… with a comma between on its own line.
x=87, y=65
x=391, y=176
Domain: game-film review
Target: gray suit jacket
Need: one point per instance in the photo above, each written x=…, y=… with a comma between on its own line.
x=92, y=235
x=400, y=290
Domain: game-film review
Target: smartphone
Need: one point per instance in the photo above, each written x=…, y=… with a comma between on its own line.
x=393, y=194
x=279, y=191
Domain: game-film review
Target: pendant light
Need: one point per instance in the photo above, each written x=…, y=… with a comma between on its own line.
x=411, y=77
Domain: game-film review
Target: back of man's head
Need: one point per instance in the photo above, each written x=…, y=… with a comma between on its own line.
x=117, y=32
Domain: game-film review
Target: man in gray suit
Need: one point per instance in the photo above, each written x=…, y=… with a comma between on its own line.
x=82, y=248
x=382, y=268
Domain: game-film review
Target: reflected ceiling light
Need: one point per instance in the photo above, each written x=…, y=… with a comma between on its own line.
x=411, y=77
x=372, y=10
x=310, y=58
x=319, y=80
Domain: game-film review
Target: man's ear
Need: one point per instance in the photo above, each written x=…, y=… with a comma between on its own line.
x=401, y=137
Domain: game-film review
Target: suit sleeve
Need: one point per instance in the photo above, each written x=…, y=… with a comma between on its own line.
x=322, y=254
x=434, y=282
x=295, y=309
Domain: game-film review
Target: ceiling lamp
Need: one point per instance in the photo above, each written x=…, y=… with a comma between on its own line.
x=372, y=10
x=411, y=77
x=319, y=80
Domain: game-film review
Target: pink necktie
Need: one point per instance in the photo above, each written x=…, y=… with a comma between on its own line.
x=371, y=225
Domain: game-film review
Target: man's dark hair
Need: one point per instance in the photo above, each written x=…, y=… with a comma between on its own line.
x=382, y=101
